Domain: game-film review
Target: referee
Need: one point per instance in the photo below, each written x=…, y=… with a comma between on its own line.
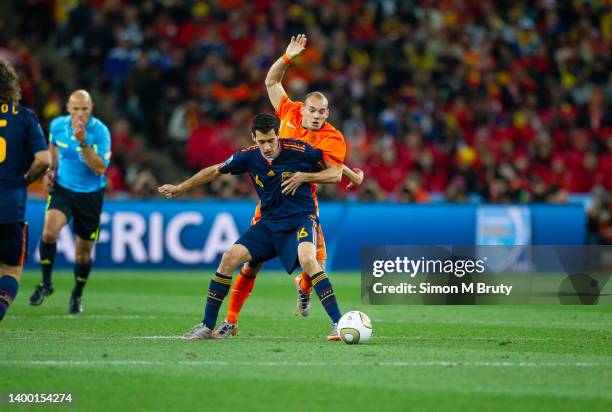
x=80, y=153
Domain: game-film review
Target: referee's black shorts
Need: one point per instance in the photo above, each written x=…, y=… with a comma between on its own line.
x=84, y=208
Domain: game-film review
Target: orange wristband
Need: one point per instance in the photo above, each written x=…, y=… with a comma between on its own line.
x=286, y=59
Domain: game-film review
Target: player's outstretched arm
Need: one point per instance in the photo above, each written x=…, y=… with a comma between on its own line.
x=201, y=178
x=355, y=176
x=331, y=174
x=41, y=163
x=277, y=71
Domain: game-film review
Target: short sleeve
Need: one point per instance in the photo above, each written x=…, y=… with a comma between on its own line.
x=235, y=164
x=36, y=137
x=333, y=147
x=102, y=144
x=285, y=106
x=53, y=129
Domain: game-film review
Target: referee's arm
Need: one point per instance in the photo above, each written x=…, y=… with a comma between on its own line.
x=92, y=159
x=95, y=162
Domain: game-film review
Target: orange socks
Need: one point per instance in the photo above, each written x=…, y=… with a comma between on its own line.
x=305, y=283
x=241, y=289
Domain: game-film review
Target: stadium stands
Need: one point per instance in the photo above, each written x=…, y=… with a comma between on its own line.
x=495, y=100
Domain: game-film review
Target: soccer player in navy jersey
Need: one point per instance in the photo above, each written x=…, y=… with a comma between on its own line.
x=21, y=138
x=287, y=229
x=80, y=154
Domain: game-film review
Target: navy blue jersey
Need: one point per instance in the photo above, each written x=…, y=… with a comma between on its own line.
x=20, y=138
x=267, y=176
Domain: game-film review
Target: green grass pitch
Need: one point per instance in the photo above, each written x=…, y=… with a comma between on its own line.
x=124, y=351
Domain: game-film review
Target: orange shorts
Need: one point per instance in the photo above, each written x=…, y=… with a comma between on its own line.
x=321, y=251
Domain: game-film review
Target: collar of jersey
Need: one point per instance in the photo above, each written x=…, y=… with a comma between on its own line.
x=280, y=149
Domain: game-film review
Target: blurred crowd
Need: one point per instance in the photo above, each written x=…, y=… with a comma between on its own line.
x=599, y=219
x=498, y=101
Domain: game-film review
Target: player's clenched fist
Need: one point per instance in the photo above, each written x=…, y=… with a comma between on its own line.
x=169, y=191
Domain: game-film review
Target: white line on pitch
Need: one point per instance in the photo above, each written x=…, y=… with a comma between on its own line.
x=512, y=340
x=577, y=324
x=83, y=317
x=153, y=337
x=308, y=364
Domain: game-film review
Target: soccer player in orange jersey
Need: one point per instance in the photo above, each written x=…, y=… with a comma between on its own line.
x=305, y=121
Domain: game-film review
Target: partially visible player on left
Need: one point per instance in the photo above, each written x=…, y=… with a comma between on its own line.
x=21, y=137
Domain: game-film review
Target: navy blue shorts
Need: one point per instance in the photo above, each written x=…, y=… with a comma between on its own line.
x=268, y=239
x=83, y=208
x=13, y=243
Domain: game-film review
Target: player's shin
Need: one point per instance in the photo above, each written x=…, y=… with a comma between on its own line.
x=81, y=274
x=8, y=290
x=305, y=283
x=241, y=290
x=219, y=286
x=47, y=257
x=319, y=279
x=325, y=292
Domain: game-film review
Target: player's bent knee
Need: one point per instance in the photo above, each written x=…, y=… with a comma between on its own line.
x=250, y=270
x=82, y=258
x=229, y=261
x=49, y=236
x=237, y=255
x=309, y=263
x=83, y=253
x=253, y=267
x=12, y=271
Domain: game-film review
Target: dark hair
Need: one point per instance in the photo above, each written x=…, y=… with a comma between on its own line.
x=264, y=122
x=10, y=91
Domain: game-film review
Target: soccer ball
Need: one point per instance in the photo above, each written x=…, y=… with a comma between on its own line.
x=355, y=327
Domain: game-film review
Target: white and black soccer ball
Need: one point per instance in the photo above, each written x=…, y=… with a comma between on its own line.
x=355, y=327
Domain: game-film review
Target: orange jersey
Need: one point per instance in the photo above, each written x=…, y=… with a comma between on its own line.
x=327, y=139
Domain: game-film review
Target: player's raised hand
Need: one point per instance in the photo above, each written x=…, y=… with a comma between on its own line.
x=291, y=184
x=296, y=45
x=169, y=191
x=357, y=180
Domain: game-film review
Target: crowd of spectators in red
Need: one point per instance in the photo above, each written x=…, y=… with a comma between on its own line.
x=505, y=101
